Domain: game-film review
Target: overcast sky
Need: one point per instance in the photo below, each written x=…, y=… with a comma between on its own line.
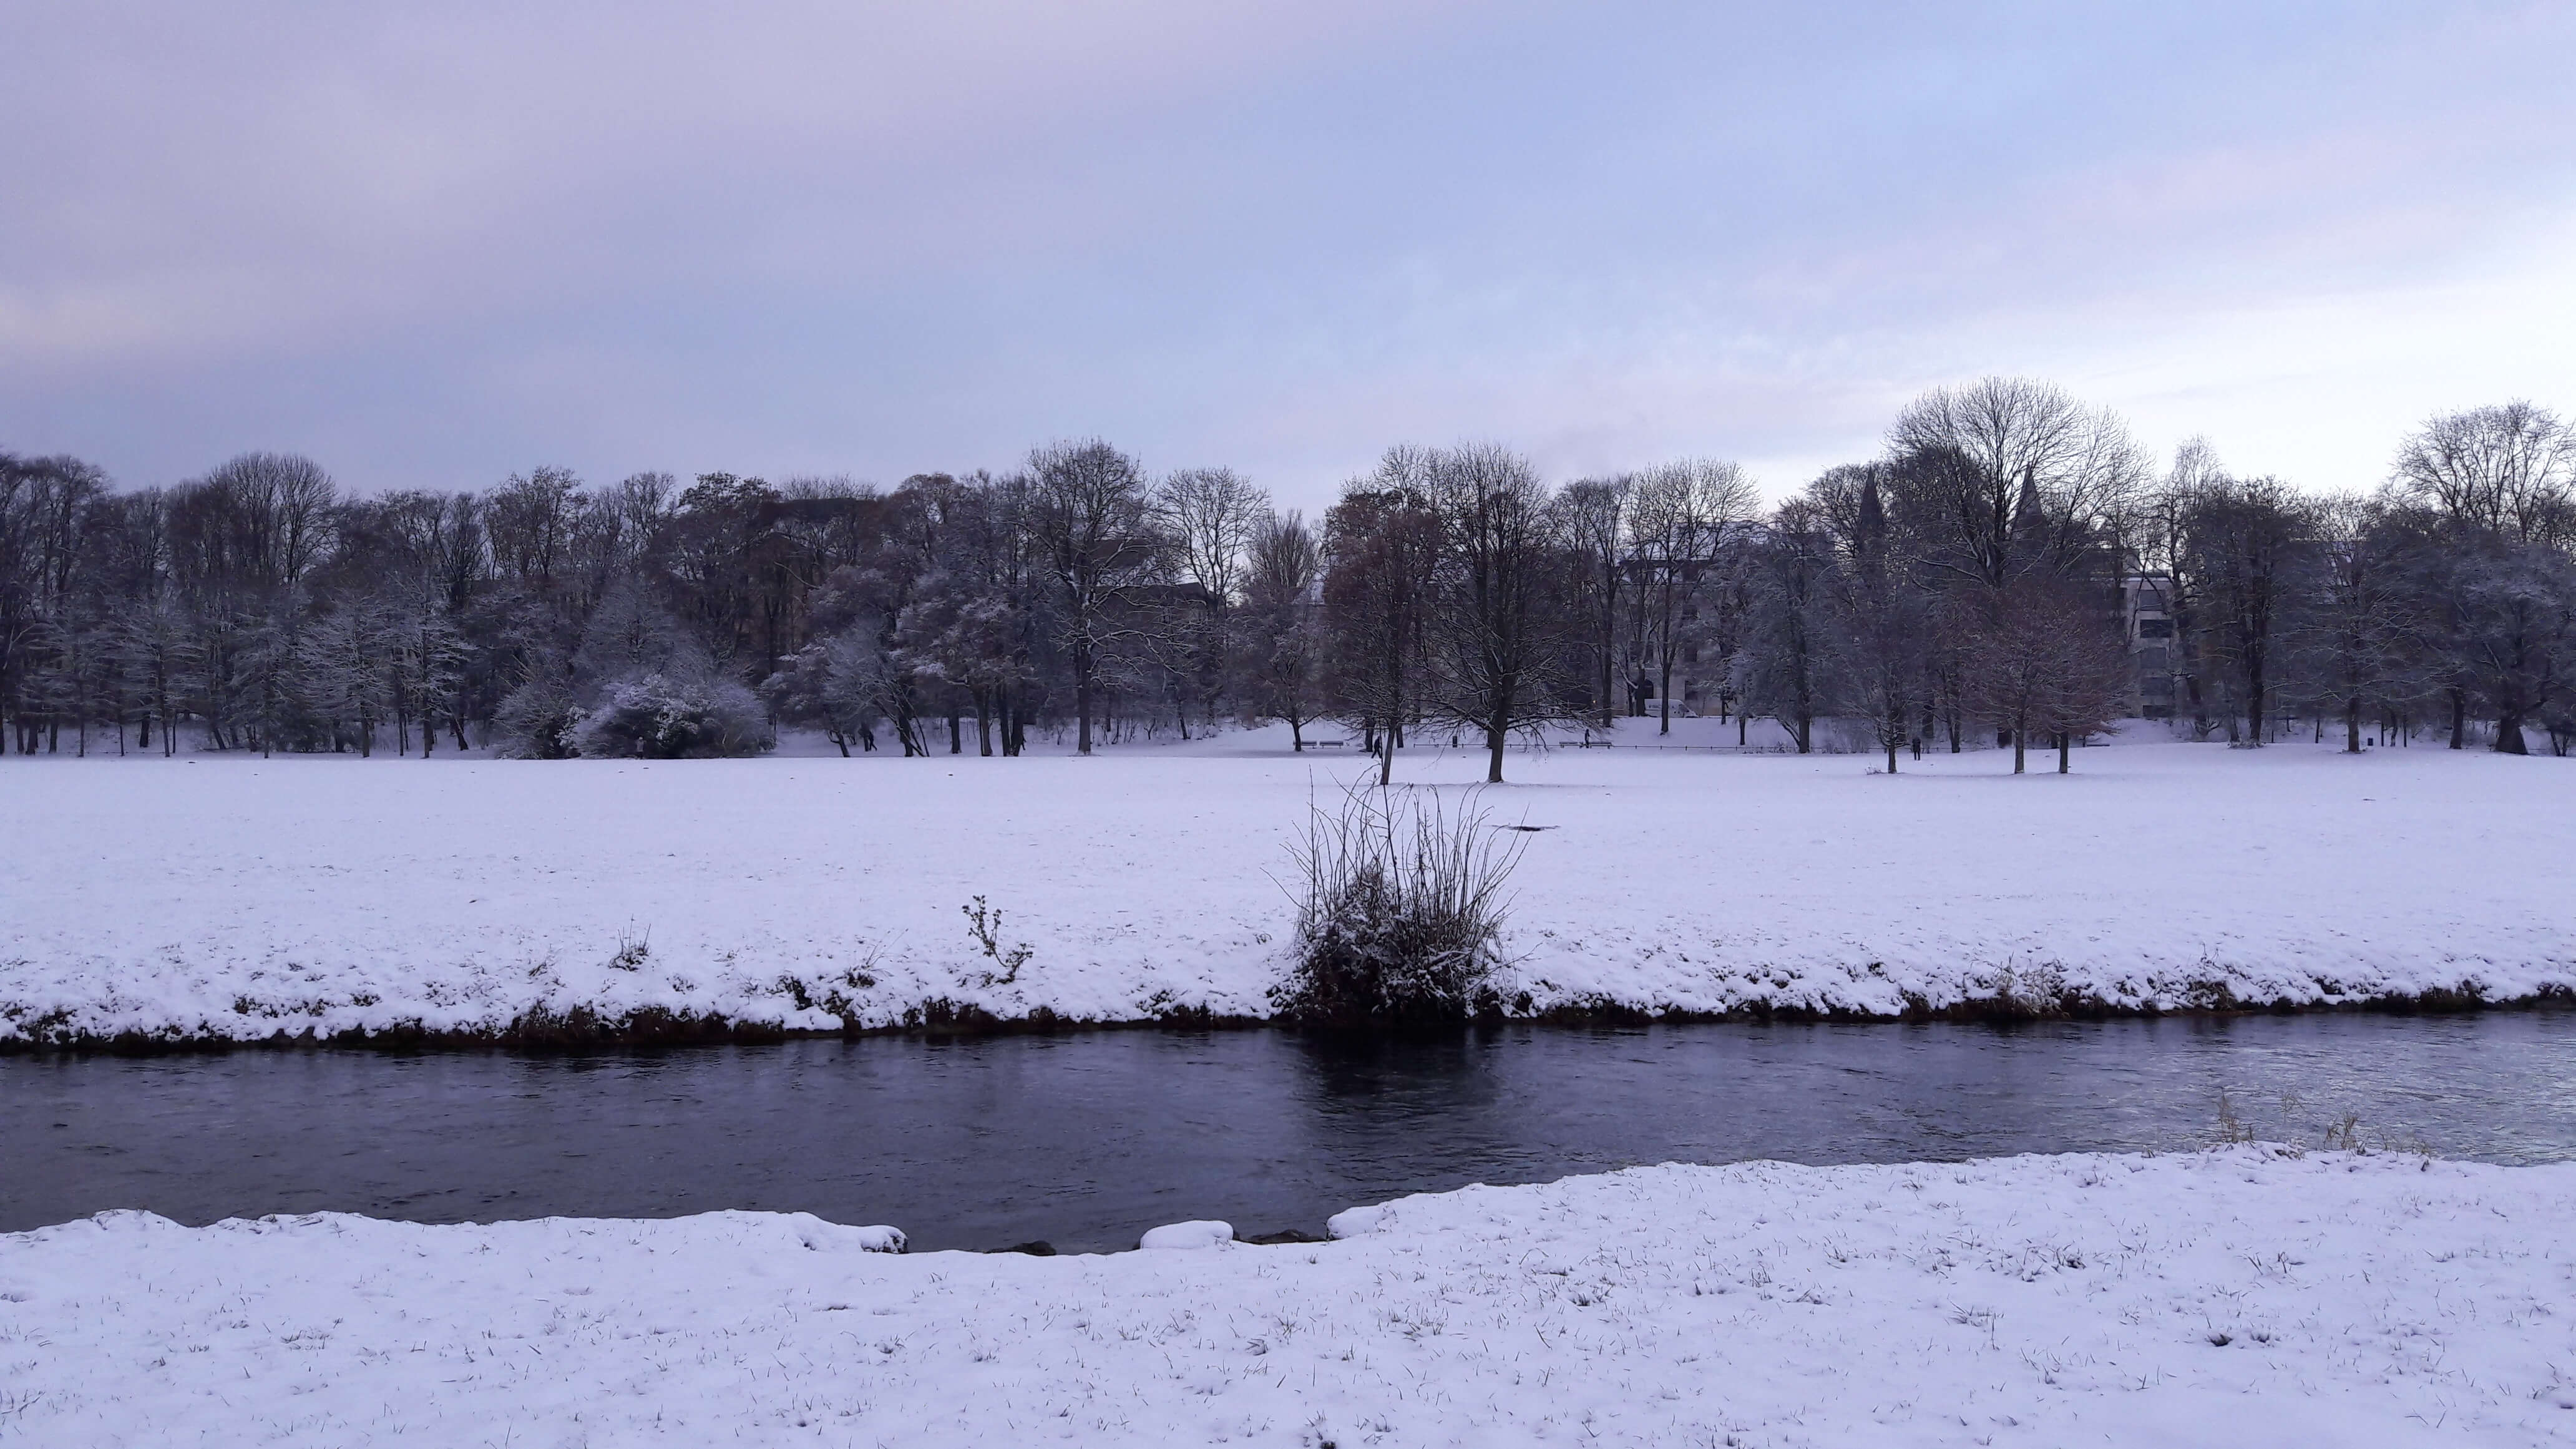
x=431, y=245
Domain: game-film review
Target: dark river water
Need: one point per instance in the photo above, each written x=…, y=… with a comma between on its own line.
x=1086, y=1140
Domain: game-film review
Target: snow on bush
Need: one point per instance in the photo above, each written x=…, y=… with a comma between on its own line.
x=660, y=717
x=536, y=721
x=1401, y=906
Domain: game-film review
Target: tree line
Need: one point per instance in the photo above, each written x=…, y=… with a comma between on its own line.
x=2013, y=563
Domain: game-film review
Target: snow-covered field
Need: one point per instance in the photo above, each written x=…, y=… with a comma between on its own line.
x=233, y=897
x=2241, y=1296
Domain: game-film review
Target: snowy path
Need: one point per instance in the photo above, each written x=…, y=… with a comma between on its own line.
x=2236, y=1297
x=234, y=897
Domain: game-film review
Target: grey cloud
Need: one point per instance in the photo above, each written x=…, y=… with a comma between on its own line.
x=433, y=244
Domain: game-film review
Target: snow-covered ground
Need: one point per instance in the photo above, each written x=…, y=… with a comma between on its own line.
x=233, y=897
x=2242, y=1296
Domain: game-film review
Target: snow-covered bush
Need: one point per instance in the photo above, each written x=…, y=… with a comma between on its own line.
x=658, y=717
x=536, y=721
x=1401, y=909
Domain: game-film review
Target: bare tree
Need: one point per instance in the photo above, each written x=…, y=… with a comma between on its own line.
x=2516, y=638
x=254, y=607
x=986, y=607
x=2360, y=635
x=1497, y=639
x=2506, y=472
x=1680, y=515
x=45, y=504
x=837, y=684
x=1209, y=514
x=428, y=659
x=1787, y=662
x=2503, y=481
x=349, y=653
x=1099, y=540
x=1283, y=634
x=1382, y=542
x=1593, y=522
x=2007, y=475
x=2247, y=542
x=532, y=520
x=2166, y=549
x=1884, y=618
x=2046, y=661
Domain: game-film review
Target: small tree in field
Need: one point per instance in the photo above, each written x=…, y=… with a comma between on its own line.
x=2045, y=660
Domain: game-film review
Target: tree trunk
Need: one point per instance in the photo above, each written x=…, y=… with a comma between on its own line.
x=2020, y=741
x=2459, y=718
x=1082, y=712
x=2352, y=725
x=1606, y=707
x=2063, y=736
x=2508, y=740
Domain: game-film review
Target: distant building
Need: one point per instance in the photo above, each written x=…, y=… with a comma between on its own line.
x=2147, y=622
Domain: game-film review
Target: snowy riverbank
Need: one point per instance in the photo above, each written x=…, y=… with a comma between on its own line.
x=2241, y=1296
x=237, y=898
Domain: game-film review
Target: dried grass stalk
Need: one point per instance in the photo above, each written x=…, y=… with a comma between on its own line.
x=1400, y=905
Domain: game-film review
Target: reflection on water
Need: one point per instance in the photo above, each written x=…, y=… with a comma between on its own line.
x=1086, y=1140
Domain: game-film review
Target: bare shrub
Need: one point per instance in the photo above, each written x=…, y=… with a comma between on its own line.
x=2231, y=1127
x=1400, y=906
x=634, y=948
x=985, y=924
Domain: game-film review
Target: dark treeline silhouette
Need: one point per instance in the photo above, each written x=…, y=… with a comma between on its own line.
x=2011, y=564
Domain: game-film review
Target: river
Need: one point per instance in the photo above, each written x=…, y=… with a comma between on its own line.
x=1084, y=1140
